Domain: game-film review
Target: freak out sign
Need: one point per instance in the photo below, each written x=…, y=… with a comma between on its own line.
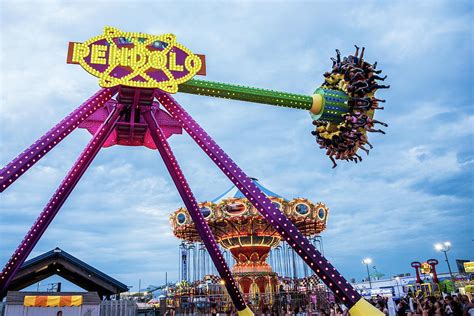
x=136, y=60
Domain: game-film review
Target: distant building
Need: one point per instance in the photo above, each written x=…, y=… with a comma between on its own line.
x=395, y=286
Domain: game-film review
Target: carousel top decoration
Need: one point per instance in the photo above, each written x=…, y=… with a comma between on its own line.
x=136, y=60
x=232, y=219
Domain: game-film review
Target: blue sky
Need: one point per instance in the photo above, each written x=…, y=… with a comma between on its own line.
x=415, y=188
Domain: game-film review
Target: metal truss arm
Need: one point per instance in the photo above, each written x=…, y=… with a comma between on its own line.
x=192, y=205
x=57, y=200
x=236, y=92
x=328, y=274
x=24, y=161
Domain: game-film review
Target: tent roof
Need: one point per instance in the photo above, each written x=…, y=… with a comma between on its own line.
x=59, y=262
x=233, y=192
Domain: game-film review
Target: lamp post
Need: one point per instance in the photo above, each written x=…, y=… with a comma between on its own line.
x=368, y=261
x=445, y=247
x=397, y=281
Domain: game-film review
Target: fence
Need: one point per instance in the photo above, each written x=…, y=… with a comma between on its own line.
x=118, y=308
x=283, y=303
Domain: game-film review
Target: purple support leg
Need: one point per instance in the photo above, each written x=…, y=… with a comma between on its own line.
x=192, y=205
x=328, y=274
x=42, y=146
x=58, y=199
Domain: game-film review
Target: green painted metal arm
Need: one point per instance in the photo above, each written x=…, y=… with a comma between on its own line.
x=329, y=106
x=236, y=92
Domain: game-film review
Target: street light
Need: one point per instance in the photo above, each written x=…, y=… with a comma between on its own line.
x=397, y=280
x=368, y=261
x=445, y=247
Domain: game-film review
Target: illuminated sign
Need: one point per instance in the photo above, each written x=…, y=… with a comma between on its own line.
x=136, y=60
x=469, y=267
x=425, y=268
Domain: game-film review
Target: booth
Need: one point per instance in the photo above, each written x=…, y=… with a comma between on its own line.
x=52, y=304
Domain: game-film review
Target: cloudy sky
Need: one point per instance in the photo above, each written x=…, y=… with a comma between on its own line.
x=415, y=188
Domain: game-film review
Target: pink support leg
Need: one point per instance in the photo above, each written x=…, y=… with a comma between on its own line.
x=192, y=205
x=58, y=199
x=42, y=146
x=328, y=274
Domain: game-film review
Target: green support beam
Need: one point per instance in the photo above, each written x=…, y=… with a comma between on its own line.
x=236, y=92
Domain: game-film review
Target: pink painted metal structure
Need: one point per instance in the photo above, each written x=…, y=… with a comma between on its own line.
x=416, y=265
x=433, y=263
x=160, y=125
x=134, y=118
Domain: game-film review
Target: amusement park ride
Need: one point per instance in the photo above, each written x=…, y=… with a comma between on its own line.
x=139, y=68
x=240, y=229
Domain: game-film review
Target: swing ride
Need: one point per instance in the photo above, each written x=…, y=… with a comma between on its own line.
x=240, y=229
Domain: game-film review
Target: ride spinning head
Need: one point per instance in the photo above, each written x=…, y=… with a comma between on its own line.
x=343, y=107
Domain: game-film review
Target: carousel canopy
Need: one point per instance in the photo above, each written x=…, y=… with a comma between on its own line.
x=235, y=193
x=231, y=214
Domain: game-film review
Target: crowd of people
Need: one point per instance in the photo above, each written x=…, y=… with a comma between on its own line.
x=450, y=305
x=292, y=304
x=357, y=78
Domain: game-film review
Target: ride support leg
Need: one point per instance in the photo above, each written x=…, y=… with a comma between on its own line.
x=31, y=155
x=57, y=200
x=289, y=232
x=192, y=206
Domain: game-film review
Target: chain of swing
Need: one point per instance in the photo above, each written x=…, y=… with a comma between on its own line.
x=195, y=262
